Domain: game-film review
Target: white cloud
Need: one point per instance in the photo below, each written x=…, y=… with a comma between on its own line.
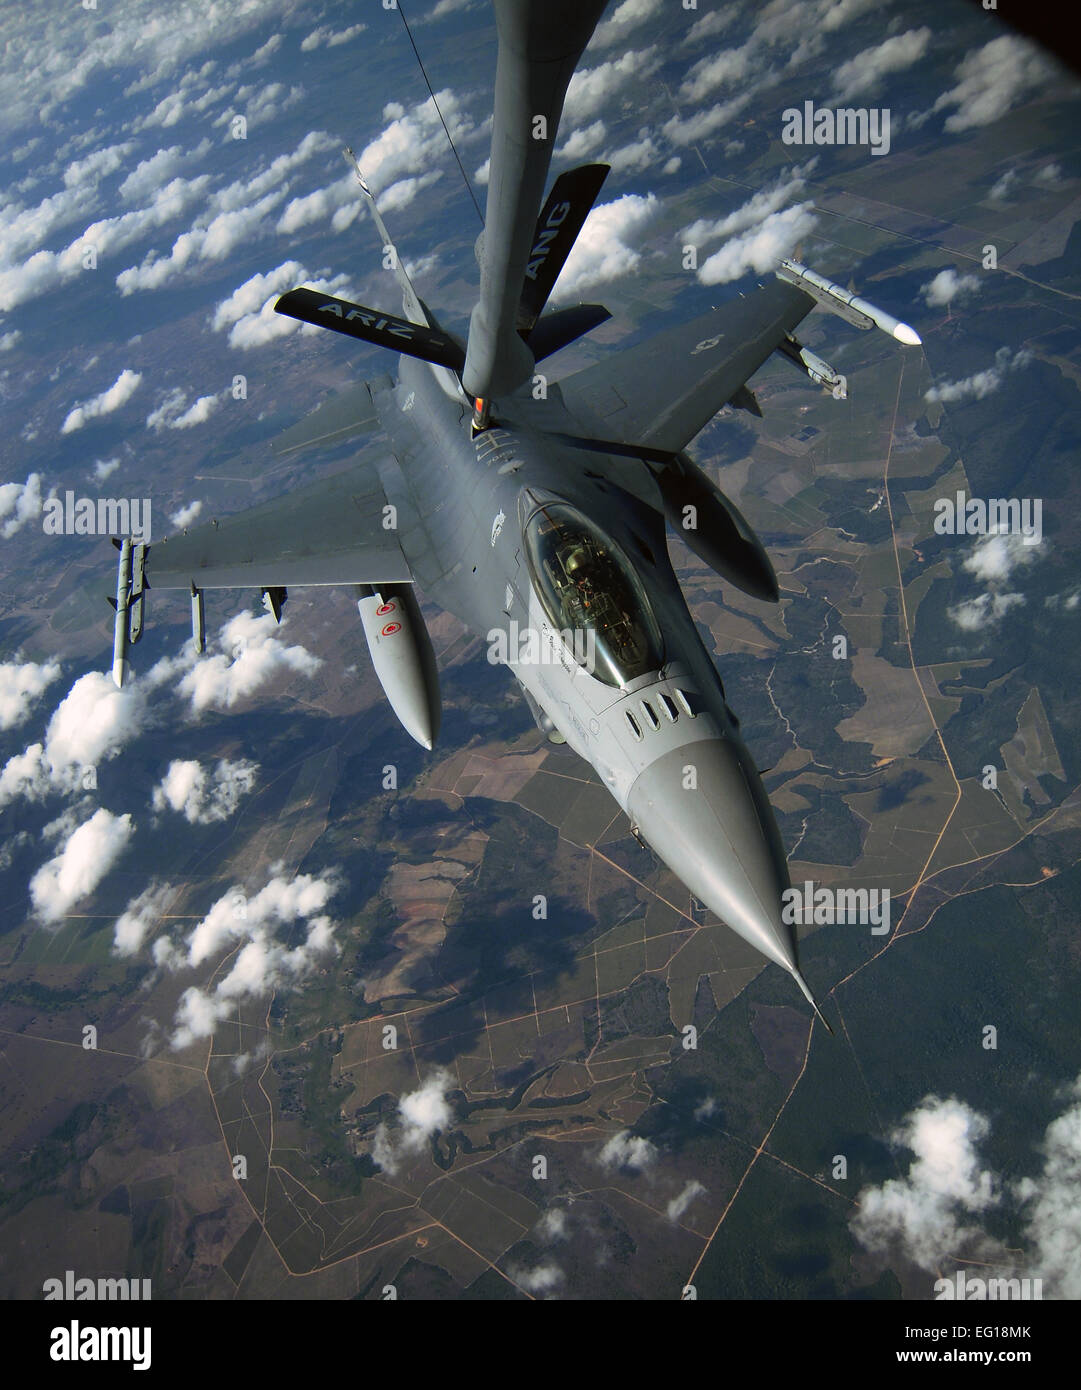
x=756, y=209
x=92, y=168
x=444, y=7
x=91, y=724
x=543, y=1278
x=24, y=775
x=421, y=1114
x=976, y=614
x=249, y=312
x=76, y=870
x=760, y=248
x=594, y=89
x=19, y=503
x=1054, y=1213
x=1002, y=186
x=866, y=69
x=623, y=19
x=981, y=384
x=203, y=797
x=583, y=141
x=993, y=80
x=553, y=1224
x=113, y=398
x=922, y=1213
x=727, y=68
x=947, y=285
x=602, y=253
x=628, y=1151
x=425, y=1111
x=480, y=175
x=9, y=340
x=393, y=198
x=186, y=515
x=263, y=53
x=679, y=1204
x=994, y=558
x=413, y=141
x=22, y=684
x=325, y=37
x=153, y=174
x=926, y=1215
x=263, y=962
x=709, y=26
x=639, y=155
x=138, y=919
x=1049, y=176
x=689, y=130
x=171, y=413
x=838, y=12
x=249, y=654
x=52, y=56
x=105, y=468
x=234, y=215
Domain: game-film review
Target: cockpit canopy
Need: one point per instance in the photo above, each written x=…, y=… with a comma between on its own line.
x=591, y=595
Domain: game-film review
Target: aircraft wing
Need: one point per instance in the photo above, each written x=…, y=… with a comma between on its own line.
x=663, y=391
x=330, y=532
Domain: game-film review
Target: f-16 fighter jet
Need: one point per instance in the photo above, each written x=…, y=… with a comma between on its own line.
x=544, y=517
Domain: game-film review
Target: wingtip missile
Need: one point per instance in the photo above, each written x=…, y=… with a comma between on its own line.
x=120, y=623
x=861, y=313
x=907, y=335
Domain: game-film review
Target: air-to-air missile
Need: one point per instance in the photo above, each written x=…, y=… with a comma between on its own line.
x=138, y=586
x=120, y=606
x=198, y=619
x=819, y=371
x=403, y=657
x=861, y=313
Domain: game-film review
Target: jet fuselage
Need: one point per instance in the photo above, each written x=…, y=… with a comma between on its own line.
x=485, y=522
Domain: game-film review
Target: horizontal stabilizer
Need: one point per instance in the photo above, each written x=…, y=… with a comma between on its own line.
x=563, y=326
x=562, y=217
x=373, y=326
x=347, y=413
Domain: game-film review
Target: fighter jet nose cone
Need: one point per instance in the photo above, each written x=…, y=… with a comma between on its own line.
x=907, y=335
x=703, y=809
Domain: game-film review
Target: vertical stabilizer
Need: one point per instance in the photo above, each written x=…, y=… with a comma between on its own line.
x=411, y=306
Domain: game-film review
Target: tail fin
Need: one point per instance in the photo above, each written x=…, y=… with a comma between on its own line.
x=413, y=308
x=561, y=219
